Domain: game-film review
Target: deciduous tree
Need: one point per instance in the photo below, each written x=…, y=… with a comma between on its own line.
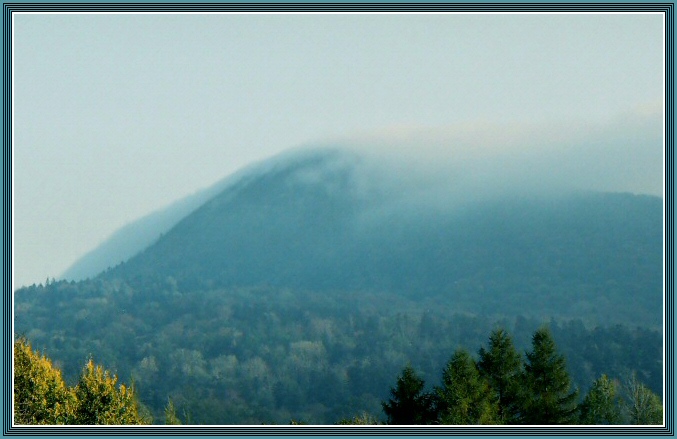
x=40, y=393
x=102, y=401
x=644, y=406
x=42, y=397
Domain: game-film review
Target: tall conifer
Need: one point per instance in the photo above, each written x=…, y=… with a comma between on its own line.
x=409, y=404
x=464, y=397
x=501, y=366
x=548, y=398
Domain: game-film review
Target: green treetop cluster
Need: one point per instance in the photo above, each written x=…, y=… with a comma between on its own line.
x=503, y=388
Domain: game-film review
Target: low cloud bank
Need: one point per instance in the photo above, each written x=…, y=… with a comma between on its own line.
x=622, y=154
x=441, y=168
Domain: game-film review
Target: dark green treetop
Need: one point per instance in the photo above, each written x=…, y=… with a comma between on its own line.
x=501, y=366
x=409, y=404
x=465, y=398
x=548, y=398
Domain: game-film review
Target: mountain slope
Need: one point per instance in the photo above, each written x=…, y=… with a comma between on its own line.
x=314, y=224
x=301, y=289
x=140, y=234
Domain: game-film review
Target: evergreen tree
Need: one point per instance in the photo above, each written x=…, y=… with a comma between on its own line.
x=501, y=366
x=548, y=396
x=409, y=404
x=101, y=401
x=601, y=405
x=644, y=407
x=40, y=394
x=464, y=397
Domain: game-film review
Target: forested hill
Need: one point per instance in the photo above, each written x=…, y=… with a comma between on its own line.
x=301, y=290
x=314, y=224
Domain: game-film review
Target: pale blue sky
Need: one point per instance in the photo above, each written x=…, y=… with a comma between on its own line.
x=116, y=116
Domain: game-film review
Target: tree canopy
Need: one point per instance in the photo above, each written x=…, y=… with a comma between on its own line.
x=502, y=389
x=548, y=396
x=40, y=393
x=465, y=398
x=409, y=404
x=42, y=397
x=501, y=366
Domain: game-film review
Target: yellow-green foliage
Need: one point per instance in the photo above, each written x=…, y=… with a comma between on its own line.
x=170, y=414
x=100, y=401
x=40, y=394
x=42, y=397
x=363, y=418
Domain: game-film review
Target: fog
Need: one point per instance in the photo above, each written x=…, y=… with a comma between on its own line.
x=621, y=154
x=439, y=169
x=117, y=115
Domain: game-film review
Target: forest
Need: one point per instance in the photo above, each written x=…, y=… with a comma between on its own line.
x=301, y=294
x=499, y=388
x=265, y=355
x=502, y=388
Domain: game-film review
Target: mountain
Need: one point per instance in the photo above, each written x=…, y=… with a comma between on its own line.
x=140, y=234
x=133, y=237
x=317, y=223
x=300, y=288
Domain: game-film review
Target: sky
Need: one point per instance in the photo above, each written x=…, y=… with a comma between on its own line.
x=118, y=115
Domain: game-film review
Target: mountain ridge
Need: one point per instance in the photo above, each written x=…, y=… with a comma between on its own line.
x=137, y=235
x=302, y=289
x=314, y=224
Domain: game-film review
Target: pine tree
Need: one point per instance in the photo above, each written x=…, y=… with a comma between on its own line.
x=601, y=405
x=409, y=404
x=548, y=396
x=501, y=366
x=464, y=397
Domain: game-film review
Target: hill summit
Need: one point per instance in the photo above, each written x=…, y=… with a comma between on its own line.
x=326, y=221
x=299, y=288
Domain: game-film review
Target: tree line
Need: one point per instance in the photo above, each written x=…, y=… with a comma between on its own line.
x=502, y=387
x=266, y=355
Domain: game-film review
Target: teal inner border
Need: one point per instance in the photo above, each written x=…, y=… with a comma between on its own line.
x=7, y=337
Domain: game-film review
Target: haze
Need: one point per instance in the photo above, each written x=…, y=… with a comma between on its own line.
x=116, y=116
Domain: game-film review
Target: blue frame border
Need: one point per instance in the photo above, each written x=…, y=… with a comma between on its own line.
x=667, y=9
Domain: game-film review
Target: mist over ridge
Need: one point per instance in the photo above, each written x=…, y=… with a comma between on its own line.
x=300, y=259
x=437, y=169
x=621, y=154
